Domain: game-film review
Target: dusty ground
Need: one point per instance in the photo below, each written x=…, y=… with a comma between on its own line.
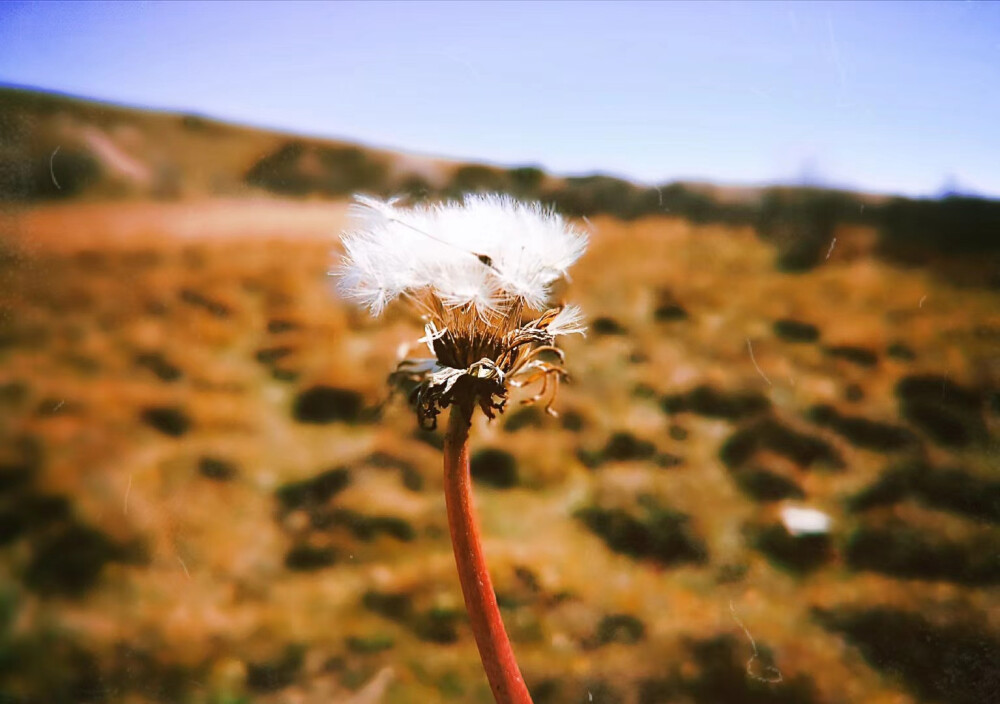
x=207, y=495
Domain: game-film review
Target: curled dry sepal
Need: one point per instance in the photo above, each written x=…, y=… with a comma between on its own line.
x=480, y=273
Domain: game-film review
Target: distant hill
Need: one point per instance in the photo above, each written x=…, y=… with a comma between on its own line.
x=55, y=147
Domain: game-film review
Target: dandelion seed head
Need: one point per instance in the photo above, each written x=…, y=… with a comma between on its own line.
x=475, y=269
x=486, y=250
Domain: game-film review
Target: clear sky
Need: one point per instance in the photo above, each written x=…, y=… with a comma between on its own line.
x=886, y=96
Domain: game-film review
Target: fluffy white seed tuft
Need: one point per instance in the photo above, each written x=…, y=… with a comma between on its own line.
x=488, y=251
x=568, y=321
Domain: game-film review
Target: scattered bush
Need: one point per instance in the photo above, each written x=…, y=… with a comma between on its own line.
x=713, y=403
x=948, y=489
x=720, y=673
x=653, y=532
x=619, y=628
x=795, y=330
x=69, y=561
x=860, y=356
x=156, y=363
x=315, y=491
x=326, y=404
x=274, y=675
x=623, y=446
x=801, y=223
x=956, y=225
x=798, y=554
x=494, y=467
x=300, y=169
x=475, y=178
x=765, y=486
x=861, y=432
x=29, y=176
x=168, y=420
x=958, y=663
x=949, y=413
x=605, y=325
x=906, y=552
x=807, y=451
x=306, y=558
x=216, y=468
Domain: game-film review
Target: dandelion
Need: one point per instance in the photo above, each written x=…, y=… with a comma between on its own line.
x=480, y=273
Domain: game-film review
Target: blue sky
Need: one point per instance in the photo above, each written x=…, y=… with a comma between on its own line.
x=888, y=96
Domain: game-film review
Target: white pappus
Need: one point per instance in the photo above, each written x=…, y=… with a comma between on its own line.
x=480, y=272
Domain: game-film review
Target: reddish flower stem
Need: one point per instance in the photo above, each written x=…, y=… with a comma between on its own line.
x=477, y=588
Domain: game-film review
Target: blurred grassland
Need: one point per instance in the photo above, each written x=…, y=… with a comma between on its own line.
x=207, y=494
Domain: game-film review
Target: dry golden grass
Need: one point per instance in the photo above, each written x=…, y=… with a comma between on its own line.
x=100, y=302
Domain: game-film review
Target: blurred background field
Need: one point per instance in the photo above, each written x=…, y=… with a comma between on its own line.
x=208, y=495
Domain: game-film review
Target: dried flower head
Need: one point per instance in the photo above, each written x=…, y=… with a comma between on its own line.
x=480, y=273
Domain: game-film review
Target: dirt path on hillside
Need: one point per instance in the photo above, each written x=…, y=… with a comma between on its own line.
x=73, y=226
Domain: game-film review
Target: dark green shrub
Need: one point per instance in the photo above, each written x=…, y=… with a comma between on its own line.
x=29, y=176
x=802, y=222
x=476, y=178
x=955, y=224
x=957, y=662
x=279, y=171
x=591, y=195
x=494, y=467
x=526, y=181
x=653, y=532
x=350, y=169
x=299, y=169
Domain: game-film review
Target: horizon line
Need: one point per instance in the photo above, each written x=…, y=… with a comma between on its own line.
x=820, y=184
